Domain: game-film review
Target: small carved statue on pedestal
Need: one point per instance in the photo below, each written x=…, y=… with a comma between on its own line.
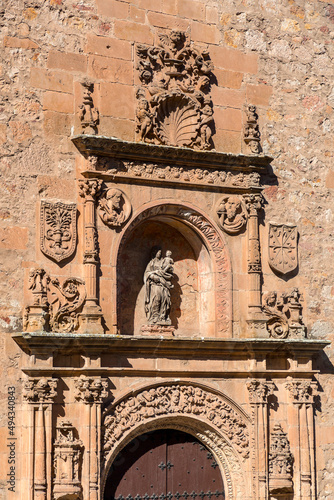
x=158, y=274
x=88, y=114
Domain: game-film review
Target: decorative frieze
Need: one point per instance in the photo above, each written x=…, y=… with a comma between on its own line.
x=282, y=244
x=56, y=306
x=88, y=114
x=175, y=400
x=40, y=390
x=173, y=104
x=114, y=207
x=67, y=457
x=58, y=233
x=232, y=214
x=280, y=462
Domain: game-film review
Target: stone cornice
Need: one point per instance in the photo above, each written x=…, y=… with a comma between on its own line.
x=185, y=347
x=92, y=145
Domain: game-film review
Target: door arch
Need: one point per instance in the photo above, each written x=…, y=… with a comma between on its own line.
x=165, y=464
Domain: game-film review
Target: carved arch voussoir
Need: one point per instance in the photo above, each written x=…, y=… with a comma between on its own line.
x=211, y=417
x=212, y=237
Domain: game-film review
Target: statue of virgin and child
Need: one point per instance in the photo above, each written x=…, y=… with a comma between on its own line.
x=158, y=274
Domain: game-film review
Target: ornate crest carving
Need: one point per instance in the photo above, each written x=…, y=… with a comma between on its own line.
x=58, y=229
x=88, y=114
x=174, y=107
x=61, y=303
x=280, y=462
x=67, y=462
x=251, y=131
x=285, y=313
x=232, y=214
x=114, y=207
x=175, y=400
x=283, y=253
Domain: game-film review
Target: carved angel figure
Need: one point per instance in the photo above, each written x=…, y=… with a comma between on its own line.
x=157, y=280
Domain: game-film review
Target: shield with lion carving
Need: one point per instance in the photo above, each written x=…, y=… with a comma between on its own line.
x=283, y=254
x=58, y=229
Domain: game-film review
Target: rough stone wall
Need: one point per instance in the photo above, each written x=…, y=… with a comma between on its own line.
x=276, y=54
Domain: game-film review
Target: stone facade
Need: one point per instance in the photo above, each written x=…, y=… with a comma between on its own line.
x=203, y=131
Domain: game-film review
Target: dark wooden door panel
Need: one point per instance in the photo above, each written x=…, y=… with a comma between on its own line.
x=164, y=465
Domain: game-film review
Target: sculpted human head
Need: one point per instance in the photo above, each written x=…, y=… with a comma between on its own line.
x=232, y=205
x=114, y=198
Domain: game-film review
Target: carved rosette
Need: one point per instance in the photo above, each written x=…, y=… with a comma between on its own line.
x=232, y=214
x=40, y=390
x=67, y=456
x=60, y=303
x=91, y=390
x=251, y=131
x=280, y=462
x=173, y=105
x=114, y=207
x=283, y=254
x=175, y=400
x=259, y=391
x=58, y=229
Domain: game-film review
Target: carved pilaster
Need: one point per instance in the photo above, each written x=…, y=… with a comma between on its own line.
x=40, y=394
x=259, y=392
x=254, y=205
x=301, y=419
x=90, y=319
x=67, y=463
x=92, y=392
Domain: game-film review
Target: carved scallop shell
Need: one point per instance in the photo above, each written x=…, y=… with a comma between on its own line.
x=177, y=121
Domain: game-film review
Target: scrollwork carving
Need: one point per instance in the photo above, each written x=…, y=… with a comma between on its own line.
x=285, y=314
x=175, y=400
x=174, y=107
x=61, y=303
x=232, y=214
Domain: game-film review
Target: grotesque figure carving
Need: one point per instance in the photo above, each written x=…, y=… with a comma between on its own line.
x=114, y=207
x=58, y=229
x=88, y=114
x=232, y=214
x=157, y=278
x=174, y=106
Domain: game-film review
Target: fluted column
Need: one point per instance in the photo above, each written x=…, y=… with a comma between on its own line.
x=90, y=319
x=258, y=397
x=254, y=205
x=302, y=395
x=91, y=392
x=40, y=393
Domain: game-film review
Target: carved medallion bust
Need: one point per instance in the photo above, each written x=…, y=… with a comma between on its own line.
x=114, y=207
x=232, y=214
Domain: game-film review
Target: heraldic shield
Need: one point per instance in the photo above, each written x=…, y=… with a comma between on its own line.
x=58, y=229
x=283, y=253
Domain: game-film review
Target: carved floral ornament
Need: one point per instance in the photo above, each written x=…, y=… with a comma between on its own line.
x=173, y=105
x=175, y=400
x=114, y=207
x=232, y=214
x=91, y=390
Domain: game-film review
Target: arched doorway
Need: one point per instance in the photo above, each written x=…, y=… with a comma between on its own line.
x=166, y=464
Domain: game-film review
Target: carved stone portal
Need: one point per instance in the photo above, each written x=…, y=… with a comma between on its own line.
x=232, y=214
x=114, y=207
x=58, y=229
x=174, y=107
x=283, y=254
x=67, y=463
x=158, y=274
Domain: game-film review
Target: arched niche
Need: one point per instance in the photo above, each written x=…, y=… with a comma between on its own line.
x=211, y=417
x=201, y=296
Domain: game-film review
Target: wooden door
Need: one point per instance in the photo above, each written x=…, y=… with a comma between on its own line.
x=164, y=465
